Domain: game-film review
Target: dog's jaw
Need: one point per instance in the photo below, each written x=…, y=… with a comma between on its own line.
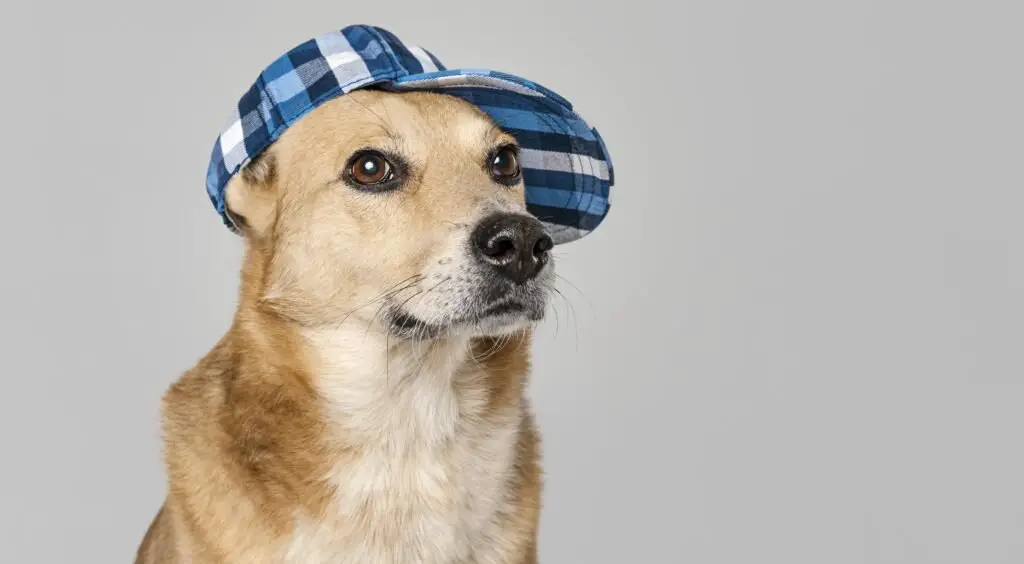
x=500, y=318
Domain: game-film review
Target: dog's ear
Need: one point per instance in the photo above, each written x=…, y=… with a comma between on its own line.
x=251, y=196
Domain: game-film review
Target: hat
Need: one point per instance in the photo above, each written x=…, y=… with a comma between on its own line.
x=565, y=164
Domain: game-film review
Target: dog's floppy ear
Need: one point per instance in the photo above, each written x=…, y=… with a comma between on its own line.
x=251, y=196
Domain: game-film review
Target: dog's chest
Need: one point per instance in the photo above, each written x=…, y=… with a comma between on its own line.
x=427, y=491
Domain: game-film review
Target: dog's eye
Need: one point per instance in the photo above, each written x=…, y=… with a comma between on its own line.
x=369, y=169
x=505, y=165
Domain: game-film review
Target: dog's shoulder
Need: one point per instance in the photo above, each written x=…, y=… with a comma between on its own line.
x=240, y=446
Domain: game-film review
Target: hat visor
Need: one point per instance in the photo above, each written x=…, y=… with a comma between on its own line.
x=566, y=169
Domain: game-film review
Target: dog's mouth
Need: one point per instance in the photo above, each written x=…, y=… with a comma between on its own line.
x=502, y=309
x=496, y=316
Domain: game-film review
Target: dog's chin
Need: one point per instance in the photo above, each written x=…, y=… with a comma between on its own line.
x=489, y=321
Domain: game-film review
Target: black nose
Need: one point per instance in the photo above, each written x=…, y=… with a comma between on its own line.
x=515, y=245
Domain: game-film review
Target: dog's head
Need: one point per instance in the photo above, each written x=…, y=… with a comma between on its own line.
x=404, y=211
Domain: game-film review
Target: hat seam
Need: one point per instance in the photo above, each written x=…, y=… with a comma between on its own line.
x=385, y=45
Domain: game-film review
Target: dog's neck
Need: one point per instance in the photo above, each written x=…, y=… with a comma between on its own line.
x=384, y=390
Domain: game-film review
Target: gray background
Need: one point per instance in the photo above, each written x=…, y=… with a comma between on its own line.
x=796, y=339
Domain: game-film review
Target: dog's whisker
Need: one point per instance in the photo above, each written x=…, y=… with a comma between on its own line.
x=405, y=284
x=522, y=339
x=387, y=124
x=384, y=305
x=569, y=282
x=574, y=319
x=417, y=333
x=558, y=320
x=472, y=355
x=495, y=345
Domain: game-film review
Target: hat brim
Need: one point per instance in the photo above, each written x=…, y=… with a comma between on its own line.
x=566, y=169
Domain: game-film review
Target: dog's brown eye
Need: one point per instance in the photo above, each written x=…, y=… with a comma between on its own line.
x=370, y=168
x=505, y=165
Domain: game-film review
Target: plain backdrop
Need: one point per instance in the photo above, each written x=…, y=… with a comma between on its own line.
x=797, y=339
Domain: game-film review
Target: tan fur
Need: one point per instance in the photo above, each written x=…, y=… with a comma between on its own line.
x=310, y=433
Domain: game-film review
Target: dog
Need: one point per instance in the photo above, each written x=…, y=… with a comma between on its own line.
x=368, y=403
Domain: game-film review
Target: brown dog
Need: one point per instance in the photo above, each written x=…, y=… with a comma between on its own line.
x=367, y=405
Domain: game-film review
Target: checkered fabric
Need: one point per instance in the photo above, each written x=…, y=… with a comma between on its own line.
x=566, y=168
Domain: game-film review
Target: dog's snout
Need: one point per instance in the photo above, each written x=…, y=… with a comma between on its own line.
x=515, y=245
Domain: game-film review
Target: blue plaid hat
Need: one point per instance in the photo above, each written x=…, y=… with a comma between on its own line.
x=566, y=168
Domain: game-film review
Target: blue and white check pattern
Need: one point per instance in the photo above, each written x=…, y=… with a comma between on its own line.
x=566, y=168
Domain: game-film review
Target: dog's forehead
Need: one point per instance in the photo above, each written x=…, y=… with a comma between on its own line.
x=416, y=125
x=436, y=118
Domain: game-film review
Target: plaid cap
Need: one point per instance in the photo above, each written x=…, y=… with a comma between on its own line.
x=566, y=169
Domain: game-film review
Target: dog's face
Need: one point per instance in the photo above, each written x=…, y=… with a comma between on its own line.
x=403, y=211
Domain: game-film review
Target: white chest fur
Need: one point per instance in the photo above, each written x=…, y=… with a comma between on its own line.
x=426, y=467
